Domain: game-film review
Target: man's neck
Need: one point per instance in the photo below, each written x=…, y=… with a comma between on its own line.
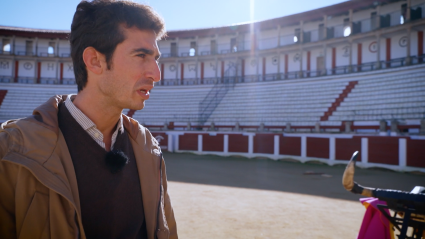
x=103, y=115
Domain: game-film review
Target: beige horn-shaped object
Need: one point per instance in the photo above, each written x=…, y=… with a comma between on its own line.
x=348, y=179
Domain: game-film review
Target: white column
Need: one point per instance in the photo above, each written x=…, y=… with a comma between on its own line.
x=251, y=143
x=365, y=146
x=170, y=143
x=276, y=145
x=402, y=152
x=303, y=146
x=200, y=143
x=332, y=148
x=226, y=144
x=176, y=142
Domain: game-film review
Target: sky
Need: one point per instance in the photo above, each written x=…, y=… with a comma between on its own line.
x=178, y=14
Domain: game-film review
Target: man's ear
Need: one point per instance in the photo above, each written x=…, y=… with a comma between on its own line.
x=94, y=60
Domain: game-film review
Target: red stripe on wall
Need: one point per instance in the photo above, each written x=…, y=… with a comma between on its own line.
x=420, y=44
x=388, y=49
x=222, y=69
x=359, y=54
x=181, y=73
x=61, y=73
x=243, y=68
x=202, y=73
x=38, y=72
x=333, y=57
x=16, y=70
x=308, y=60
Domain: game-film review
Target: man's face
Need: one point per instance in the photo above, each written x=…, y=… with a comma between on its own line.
x=133, y=72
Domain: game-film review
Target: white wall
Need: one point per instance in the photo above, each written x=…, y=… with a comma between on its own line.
x=343, y=55
x=251, y=66
x=64, y=48
x=26, y=68
x=48, y=69
x=184, y=46
x=190, y=69
x=210, y=69
x=272, y=64
x=204, y=44
x=68, y=70
x=363, y=14
x=294, y=61
x=223, y=42
x=399, y=46
x=6, y=67
x=369, y=51
x=170, y=69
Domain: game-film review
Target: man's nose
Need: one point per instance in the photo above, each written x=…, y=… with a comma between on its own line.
x=153, y=72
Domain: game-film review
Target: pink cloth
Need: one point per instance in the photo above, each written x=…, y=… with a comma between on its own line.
x=375, y=225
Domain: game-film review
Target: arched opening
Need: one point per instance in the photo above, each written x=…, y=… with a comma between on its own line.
x=6, y=48
x=192, y=52
x=347, y=31
x=50, y=50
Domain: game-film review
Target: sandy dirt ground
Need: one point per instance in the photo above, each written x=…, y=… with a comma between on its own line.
x=232, y=197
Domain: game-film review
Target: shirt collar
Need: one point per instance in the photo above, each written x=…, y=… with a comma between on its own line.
x=83, y=120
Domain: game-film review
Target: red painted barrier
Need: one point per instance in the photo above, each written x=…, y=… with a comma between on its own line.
x=318, y=147
x=344, y=148
x=264, y=143
x=383, y=150
x=188, y=142
x=238, y=143
x=416, y=153
x=290, y=145
x=213, y=143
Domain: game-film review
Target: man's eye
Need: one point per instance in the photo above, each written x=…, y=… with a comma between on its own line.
x=141, y=55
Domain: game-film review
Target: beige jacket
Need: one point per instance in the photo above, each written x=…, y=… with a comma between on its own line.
x=38, y=187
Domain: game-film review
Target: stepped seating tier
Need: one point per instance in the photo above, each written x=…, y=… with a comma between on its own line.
x=386, y=94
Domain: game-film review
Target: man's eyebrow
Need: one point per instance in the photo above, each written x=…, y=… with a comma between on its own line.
x=146, y=51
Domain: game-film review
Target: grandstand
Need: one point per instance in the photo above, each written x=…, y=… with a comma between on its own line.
x=354, y=68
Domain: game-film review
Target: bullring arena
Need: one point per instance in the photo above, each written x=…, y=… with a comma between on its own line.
x=257, y=121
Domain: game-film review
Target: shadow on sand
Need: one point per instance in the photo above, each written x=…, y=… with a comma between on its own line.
x=280, y=175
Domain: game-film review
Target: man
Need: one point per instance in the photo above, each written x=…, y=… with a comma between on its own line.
x=78, y=167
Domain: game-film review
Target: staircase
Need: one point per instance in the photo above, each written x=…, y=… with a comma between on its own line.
x=2, y=95
x=338, y=100
x=216, y=94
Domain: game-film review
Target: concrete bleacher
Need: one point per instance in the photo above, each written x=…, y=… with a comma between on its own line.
x=172, y=104
x=380, y=95
x=22, y=99
x=399, y=96
x=277, y=103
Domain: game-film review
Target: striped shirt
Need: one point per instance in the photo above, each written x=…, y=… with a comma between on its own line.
x=89, y=126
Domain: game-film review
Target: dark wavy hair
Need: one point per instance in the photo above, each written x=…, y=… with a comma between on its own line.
x=98, y=24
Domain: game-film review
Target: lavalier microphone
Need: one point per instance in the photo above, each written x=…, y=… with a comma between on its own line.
x=116, y=160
